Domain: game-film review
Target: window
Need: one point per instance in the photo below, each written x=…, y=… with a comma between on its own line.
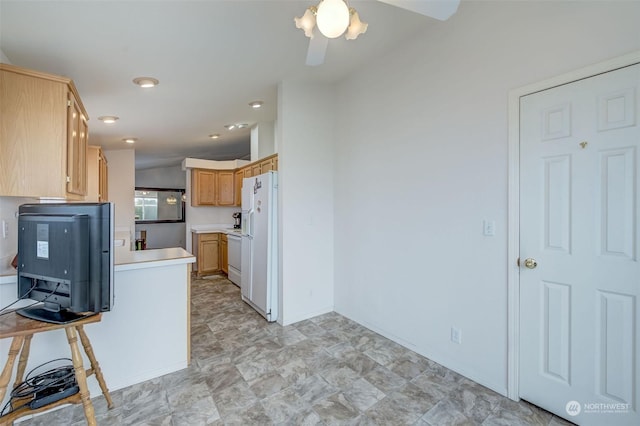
x=158, y=205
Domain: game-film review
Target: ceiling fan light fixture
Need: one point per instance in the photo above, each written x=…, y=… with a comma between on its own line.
x=356, y=26
x=307, y=21
x=332, y=18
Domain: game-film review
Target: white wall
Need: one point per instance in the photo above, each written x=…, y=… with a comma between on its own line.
x=122, y=169
x=162, y=235
x=9, y=245
x=3, y=58
x=305, y=164
x=262, y=140
x=421, y=159
x=161, y=177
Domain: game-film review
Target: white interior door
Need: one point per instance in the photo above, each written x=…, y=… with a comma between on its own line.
x=579, y=205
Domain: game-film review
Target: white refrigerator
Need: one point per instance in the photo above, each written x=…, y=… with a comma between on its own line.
x=259, y=260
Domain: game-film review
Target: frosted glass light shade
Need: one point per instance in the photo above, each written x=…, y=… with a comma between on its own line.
x=332, y=18
x=356, y=27
x=307, y=21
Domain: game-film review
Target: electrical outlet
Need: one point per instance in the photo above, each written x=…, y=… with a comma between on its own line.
x=456, y=335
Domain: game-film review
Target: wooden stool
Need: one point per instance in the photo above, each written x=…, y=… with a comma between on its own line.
x=22, y=330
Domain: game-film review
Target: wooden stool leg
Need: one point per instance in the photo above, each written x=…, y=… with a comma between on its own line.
x=81, y=376
x=16, y=344
x=88, y=349
x=22, y=362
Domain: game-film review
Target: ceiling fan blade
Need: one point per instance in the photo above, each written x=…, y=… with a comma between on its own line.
x=438, y=9
x=317, y=49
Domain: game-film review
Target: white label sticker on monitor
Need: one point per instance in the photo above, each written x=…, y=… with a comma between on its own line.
x=43, y=249
x=42, y=241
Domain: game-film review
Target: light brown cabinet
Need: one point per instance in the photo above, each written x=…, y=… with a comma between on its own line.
x=43, y=136
x=97, y=175
x=224, y=254
x=103, y=177
x=207, y=251
x=267, y=165
x=238, y=176
x=212, y=188
x=211, y=251
x=203, y=187
x=225, y=186
x=77, y=144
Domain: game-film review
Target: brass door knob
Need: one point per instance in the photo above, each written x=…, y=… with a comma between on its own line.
x=530, y=263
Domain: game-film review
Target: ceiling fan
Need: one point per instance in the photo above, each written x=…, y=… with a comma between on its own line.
x=332, y=18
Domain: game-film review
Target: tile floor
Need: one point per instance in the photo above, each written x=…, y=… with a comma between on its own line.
x=327, y=370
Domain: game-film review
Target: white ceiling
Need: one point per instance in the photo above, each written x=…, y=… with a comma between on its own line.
x=212, y=58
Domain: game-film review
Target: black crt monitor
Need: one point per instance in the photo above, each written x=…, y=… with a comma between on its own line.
x=65, y=260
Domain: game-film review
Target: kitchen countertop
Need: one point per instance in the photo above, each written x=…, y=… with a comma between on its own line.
x=219, y=228
x=125, y=260
x=138, y=259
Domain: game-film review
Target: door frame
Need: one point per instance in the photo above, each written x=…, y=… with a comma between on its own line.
x=513, y=219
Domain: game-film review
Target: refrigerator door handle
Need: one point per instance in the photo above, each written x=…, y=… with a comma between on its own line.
x=251, y=223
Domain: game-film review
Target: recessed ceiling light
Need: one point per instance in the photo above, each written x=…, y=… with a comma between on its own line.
x=146, y=82
x=129, y=140
x=229, y=126
x=242, y=125
x=214, y=136
x=108, y=119
x=256, y=104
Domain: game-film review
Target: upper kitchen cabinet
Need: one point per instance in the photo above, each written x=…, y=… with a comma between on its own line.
x=97, y=175
x=238, y=176
x=203, y=187
x=43, y=136
x=225, y=188
x=212, y=187
x=268, y=164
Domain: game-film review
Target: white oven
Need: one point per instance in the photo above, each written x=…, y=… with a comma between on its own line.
x=234, y=254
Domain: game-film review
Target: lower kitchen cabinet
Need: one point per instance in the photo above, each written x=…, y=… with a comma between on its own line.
x=207, y=251
x=224, y=254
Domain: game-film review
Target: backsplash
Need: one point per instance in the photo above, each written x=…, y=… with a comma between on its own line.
x=9, y=245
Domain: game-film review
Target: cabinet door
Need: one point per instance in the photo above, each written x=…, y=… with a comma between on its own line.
x=103, y=178
x=46, y=127
x=224, y=254
x=256, y=169
x=208, y=254
x=238, y=176
x=266, y=165
x=77, y=137
x=203, y=187
x=247, y=171
x=225, y=188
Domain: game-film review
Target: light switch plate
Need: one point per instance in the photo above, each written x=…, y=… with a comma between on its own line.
x=489, y=228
